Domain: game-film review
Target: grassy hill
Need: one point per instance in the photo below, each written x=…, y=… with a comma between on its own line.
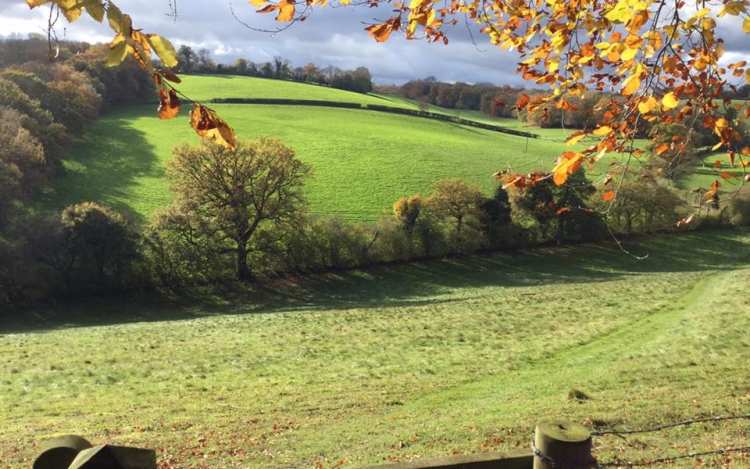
x=364, y=160
x=400, y=363
x=207, y=87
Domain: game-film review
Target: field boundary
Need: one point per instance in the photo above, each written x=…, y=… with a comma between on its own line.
x=375, y=107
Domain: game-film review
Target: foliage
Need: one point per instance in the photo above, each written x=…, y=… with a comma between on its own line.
x=241, y=204
x=739, y=209
x=643, y=206
x=458, y=203
x=496, y=218
x=22, y=171
x=674, y=150
x=560, y=213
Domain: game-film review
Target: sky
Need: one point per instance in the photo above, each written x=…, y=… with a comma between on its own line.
x=330, y=36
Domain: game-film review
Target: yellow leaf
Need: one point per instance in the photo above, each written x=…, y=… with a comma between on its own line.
x=647, y=105
x=257, y=3
x=631, y=85
x=603, y=130
x=118, y=21
x=164, y=49
x=286, y=10
x=746, y=26
x=733, y=9
x=118, y=50
x=575, y=138
x=36, y=3
x=669, y=101
x=95, y=9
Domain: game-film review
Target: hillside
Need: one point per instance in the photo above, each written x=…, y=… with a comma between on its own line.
x=363, y=160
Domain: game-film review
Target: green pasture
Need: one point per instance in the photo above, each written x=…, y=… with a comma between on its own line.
x=397, y=363
x=363, y=160
x=206, y=87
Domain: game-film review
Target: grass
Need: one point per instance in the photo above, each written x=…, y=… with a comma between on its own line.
x=206, y=87
x=400, y=362
x=363, y=160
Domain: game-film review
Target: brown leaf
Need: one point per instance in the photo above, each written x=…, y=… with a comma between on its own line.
x=169, y=104
x=207, y=124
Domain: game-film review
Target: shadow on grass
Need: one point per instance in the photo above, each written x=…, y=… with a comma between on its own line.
x=413, y=284
x=105, y=164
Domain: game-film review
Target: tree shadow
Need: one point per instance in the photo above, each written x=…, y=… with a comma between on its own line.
x=421, y=283
x=106, y=165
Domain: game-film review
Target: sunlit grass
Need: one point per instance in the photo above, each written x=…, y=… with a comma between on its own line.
x=363, y=160
x=397, y=363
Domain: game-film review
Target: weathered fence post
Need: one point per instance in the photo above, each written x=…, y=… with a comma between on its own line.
x=560, y=444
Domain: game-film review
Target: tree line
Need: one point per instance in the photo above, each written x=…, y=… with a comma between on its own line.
x=358, y=80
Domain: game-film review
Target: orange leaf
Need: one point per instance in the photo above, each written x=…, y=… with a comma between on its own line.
x=714, y=189
x=717, y=164
x=563, y=210
x=727, y=175
x=609, y=195
x=169, y=104
x=661, y=148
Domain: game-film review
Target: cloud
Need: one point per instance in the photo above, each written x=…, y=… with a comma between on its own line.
x=330, y=36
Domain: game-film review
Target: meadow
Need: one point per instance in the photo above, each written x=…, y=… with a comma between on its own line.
x=363, y=160
x=392, y=363
x=402, y=362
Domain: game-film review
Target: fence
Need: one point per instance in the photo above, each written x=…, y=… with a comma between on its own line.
x=556, y=445
x=566, y=445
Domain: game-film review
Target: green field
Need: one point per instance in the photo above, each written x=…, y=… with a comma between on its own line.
x=399, y=363
x=363, y=160
x=207, y=87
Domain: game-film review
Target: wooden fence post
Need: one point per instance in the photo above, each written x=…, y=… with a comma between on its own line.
x=562, y=445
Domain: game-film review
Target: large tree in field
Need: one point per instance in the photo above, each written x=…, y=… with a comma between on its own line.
x=236, y=204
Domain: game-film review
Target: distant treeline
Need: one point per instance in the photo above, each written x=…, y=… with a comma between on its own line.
x=358, y=80
x=499, y=101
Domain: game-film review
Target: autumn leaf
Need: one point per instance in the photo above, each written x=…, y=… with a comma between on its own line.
x=603, y=130
x=169, y=104
x=669, y=101
x=631, y=85
x=714, y=189
x=609, y=195
x=575, y=138
x=569, y=163
x=286, y=10
x=207, y=124
x=164, y=49
x=661, y=148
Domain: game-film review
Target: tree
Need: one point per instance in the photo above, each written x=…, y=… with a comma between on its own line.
x=560, y=213
x=241, y=204
x=457, y=199
x=187, y=59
